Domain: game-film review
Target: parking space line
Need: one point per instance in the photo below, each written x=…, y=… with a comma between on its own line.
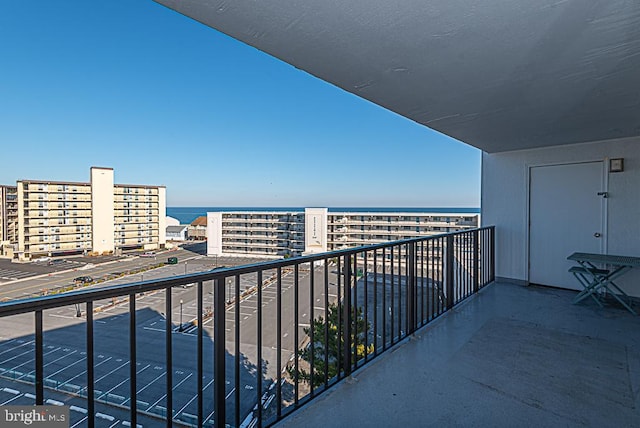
x=241, y=314
x=10, y=400
x=173, y=389
x=70, y=365
x=83, y=372
x=14, y=357
x=112, y=371
x=149, y=384
x=193, y=398
x=123, y=382
x=16, y=347
x=79, y=422
x=30, y=360
x=7, y=342
x=60, y=358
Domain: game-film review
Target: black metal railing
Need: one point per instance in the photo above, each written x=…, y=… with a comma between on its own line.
x=274, y=336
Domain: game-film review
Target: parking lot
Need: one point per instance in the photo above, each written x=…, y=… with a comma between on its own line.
x=65, y=335
x=65, y=358
x=65, y=362
x=14, y=271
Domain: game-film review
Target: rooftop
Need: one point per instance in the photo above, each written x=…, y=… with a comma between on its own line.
x=200, y=221
x=509, y=356
x=176, y=229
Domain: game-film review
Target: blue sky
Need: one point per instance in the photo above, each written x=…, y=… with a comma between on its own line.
x=165, y=100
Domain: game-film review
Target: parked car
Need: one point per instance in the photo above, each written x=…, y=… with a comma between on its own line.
x=83, y=279
x=148, y=254
x=172, y=261
x=56, y=262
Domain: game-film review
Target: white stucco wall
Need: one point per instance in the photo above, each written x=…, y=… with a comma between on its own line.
x=102, y=209
x=505, y=193
x=315, y=236
x=214, y=234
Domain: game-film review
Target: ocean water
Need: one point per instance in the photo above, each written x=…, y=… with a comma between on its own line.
x=187, y=214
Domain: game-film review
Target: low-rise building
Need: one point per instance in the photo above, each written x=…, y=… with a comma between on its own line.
x=177, y=233
x=198, y=229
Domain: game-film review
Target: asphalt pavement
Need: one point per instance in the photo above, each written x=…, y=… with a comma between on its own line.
x=65, y=362
x=65, y=343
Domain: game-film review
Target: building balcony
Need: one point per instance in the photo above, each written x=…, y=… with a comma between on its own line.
x=445, y=345
x=509, y=356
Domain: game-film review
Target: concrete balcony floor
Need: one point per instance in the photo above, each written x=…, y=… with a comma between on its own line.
x=511, y=356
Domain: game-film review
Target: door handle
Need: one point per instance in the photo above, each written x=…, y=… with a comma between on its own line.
x=597, y=235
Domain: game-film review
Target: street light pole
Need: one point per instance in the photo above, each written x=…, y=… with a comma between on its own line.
x=185, y=268
x=180, y=328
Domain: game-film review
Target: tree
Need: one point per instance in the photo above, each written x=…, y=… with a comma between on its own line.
x=333, y=348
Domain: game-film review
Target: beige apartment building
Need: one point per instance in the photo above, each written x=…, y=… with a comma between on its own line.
x=56, y=218
x=8, y=220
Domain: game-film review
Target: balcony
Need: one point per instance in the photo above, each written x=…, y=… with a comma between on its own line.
x=128, y=349
x=445, y=345
x=509, y=356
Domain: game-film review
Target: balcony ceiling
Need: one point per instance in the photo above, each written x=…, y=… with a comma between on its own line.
x=498, y=75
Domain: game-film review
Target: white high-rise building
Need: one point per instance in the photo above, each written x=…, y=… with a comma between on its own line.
x=275, y=234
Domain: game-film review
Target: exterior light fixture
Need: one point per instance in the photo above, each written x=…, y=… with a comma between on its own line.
x=616, y=165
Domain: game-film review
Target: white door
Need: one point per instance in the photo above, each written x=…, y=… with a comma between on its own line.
x=565, y=215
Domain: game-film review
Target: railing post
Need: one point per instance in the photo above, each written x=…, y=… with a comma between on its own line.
x=412, y=292
x=39, y=379
x=346, y=307
x=449, y=272
x=218, y=352
x=133, y=359
x=476, y=261
x=169, y=356
x=200, y=356
x=492, y=243
x=90, y=368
